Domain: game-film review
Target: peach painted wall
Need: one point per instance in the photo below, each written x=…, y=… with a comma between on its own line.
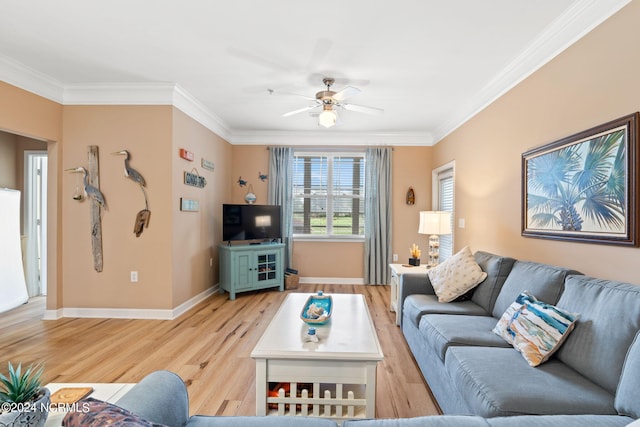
x=146, y=132
x=26, y=114
x=248, y=161
x=8, y=158
x=196, y=235
x=592, y=82
x=411, y=167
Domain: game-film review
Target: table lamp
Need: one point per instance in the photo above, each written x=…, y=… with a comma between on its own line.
x=435, y=224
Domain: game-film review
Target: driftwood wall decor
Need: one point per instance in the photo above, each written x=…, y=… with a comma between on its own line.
x=93, y=178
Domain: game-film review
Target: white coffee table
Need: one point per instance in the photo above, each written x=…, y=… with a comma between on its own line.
x=109, y=392
x=335, y=377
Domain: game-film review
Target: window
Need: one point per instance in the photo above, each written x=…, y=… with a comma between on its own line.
x=443, y=200
x=328, y=194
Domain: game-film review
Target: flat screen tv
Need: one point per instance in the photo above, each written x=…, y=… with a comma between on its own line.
x=251, y=222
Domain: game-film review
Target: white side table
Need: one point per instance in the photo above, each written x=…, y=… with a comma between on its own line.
x=398, y=271
x=109, y=392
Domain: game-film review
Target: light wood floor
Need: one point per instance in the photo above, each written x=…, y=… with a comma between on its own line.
x=209, y=347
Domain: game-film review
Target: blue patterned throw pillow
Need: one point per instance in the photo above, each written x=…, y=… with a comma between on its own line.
x=502, y=327
x=538, y=329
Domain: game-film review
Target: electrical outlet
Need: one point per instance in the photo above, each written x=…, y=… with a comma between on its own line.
x=395, y=257
x=134, y=276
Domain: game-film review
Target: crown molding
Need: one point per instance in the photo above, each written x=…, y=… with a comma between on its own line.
x=19, y=75
x=578, y=20
x=327, y=137
x=119, y=94
x=189, y=105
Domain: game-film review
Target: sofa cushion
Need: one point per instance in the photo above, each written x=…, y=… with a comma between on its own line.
x=428, y=421
x=417, y=305
x=560, y=420
x=264, y=421
x=442, y=331
x=456, y=276
x=539, y=329
x=93, y=412
x=544, y=281
x=609, y=319
x=498, y=382
x=628, y=394
x=497, y=269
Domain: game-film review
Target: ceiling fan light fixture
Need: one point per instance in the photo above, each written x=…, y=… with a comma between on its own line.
x=328, y=118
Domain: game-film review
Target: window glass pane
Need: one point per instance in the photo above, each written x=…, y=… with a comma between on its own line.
x=310, y=175
x=328, y=191
x=310, y=215
x=348, y=216
x=348, y=175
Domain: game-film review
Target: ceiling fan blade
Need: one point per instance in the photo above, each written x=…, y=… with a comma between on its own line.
x=345, y=93
x=301, y=110
x=319, y=53
x=277, y=92
x=362, y=109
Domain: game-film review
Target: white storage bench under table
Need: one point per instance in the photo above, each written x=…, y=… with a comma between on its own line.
x=332, y=378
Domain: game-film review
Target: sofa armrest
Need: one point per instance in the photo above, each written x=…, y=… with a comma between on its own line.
x=161, y=397
x=410, y=284
x=414, y=283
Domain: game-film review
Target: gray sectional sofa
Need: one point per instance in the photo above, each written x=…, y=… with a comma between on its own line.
x=477, y=378
x=161, y=397
x=471, y=370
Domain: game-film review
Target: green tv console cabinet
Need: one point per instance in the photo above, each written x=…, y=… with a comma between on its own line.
x=250, y=267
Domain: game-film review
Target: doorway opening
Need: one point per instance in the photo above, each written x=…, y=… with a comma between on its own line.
x=35, y=221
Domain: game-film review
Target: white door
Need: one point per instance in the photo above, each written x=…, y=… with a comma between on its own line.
x=35, y=221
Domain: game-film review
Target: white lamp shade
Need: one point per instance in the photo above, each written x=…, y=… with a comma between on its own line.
x=435, y=222
x=328, y=118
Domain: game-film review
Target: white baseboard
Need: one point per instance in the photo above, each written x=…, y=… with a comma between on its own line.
x=334, y=280
x=52, y=314
x=130, y=313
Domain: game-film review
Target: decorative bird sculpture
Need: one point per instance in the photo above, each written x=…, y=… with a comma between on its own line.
x=142, y=218
x=90, y=190
x=262, y=176
x=242, y=182
x=130, y=172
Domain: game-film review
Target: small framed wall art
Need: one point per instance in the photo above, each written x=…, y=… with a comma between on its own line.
x=189, y=205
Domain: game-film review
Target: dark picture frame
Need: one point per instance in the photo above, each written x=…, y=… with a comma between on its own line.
x=582, y=188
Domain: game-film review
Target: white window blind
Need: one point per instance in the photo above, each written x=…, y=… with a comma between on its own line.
x=444, y=201
x=328, y=193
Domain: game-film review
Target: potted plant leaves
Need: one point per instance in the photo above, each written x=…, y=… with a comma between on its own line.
x=23, y=400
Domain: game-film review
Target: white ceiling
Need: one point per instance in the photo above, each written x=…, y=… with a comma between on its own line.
x=429, y=64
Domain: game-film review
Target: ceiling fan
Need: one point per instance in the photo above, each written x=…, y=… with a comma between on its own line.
x=327, y=101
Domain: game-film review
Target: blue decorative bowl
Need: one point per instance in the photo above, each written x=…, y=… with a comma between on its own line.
x=317, y=309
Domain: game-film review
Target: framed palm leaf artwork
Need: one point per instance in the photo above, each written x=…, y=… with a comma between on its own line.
x=583, y=187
